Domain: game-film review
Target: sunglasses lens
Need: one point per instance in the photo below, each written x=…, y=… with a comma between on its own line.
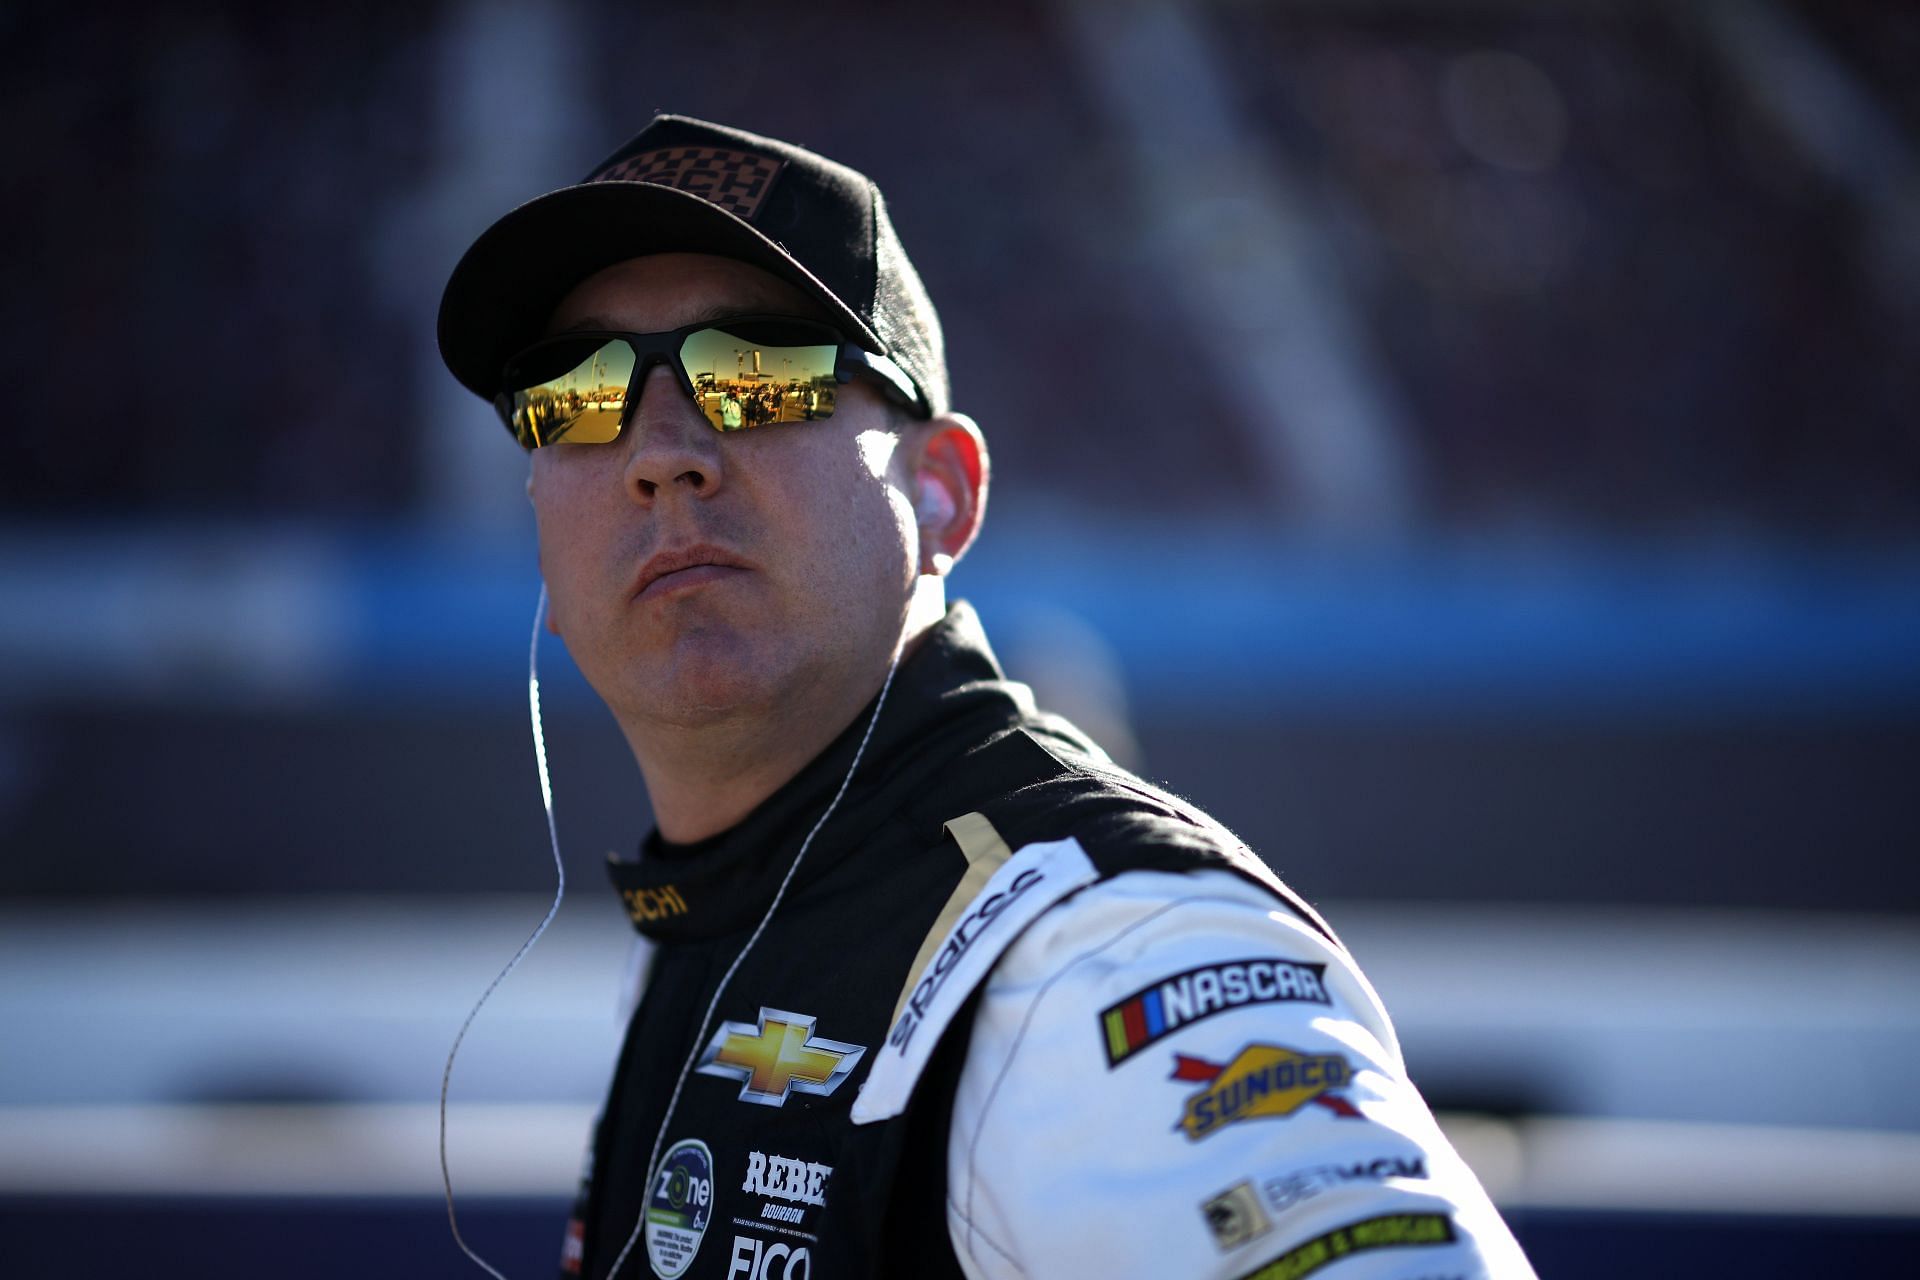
x=567, y=391
x=751, y=373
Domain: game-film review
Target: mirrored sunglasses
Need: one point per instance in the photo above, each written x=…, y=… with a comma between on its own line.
x=741, y=372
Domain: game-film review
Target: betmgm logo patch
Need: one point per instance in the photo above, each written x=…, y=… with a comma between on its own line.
x=1235, y=1217
x=1153, y=1013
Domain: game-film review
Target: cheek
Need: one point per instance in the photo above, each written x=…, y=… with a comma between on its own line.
x=564, y=522
x=843, y=529
x=885, y=483
x=884, y=525
x=546, y=523
x=877, y=450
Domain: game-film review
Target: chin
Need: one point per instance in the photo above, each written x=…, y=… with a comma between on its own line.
x=707, y=676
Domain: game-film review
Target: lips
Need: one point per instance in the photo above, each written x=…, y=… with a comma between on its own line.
x=685, y=566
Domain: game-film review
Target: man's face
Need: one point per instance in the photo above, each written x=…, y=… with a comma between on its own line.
x=796, y=541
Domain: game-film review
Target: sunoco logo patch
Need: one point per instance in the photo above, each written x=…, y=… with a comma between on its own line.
x=1261, y=1080
x=679, y=1206
x=1153, y=1013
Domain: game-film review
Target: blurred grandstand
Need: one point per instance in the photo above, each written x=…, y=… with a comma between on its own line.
x=1469, y=449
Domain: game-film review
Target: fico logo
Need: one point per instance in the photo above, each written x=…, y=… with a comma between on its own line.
x=759, y=1260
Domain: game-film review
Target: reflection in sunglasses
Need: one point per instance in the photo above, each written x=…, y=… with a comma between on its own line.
x=742, y=374
x=733, y=405
x=584, y=404
x=740, y=384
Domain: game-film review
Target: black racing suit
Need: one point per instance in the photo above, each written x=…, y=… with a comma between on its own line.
x=763, y=1171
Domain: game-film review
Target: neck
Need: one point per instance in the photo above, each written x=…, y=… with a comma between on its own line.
x=703, y=779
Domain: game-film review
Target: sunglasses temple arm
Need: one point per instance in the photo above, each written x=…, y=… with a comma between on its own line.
x=886, y=370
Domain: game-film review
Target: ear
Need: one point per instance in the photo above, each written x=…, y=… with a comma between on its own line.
x=950, y=474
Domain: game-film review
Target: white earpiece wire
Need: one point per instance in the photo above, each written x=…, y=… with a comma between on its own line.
x=553, y=838
x=706, y=1019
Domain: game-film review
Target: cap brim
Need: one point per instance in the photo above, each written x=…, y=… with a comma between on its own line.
x=505, y=288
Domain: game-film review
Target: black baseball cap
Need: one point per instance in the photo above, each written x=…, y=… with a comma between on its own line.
x=688, y=186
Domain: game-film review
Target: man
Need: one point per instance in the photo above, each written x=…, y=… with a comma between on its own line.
x=937, y=990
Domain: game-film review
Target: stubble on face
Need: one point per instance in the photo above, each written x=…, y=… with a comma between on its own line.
x=802, y=629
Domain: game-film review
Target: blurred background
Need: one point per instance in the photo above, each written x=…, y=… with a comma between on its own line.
x=1471, y=449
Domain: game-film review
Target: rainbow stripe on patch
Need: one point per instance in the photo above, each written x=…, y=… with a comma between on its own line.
x=1134, y=1025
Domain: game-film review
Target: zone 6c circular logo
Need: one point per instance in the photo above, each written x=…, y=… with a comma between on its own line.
x=678, y=1207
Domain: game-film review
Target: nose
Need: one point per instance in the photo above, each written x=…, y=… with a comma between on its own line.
x=670, y=444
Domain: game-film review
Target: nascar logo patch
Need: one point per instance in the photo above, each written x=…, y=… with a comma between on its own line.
x=1153, y=1013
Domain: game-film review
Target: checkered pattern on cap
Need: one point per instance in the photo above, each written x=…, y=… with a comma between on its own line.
x=735, y=180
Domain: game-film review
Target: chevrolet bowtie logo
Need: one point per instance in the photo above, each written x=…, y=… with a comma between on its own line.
x=779, y=1055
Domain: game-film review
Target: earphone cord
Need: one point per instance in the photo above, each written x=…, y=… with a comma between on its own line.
x=706, y=1019
x=553, y=838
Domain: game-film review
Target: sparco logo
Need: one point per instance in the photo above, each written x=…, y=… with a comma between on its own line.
x=958, y=943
